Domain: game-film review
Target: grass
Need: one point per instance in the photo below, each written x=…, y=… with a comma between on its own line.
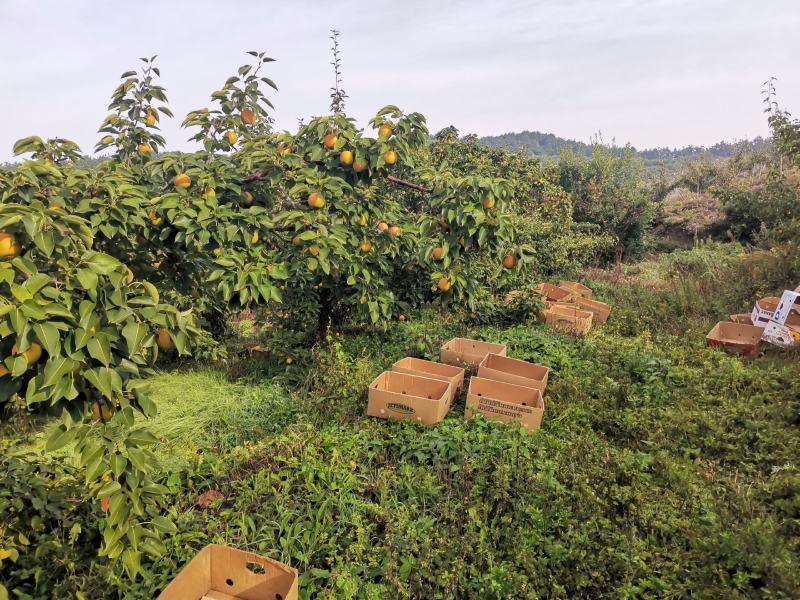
x=201, y=409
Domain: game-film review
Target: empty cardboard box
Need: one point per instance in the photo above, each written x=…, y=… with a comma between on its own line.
x=568, y=317
x=513, y=370
x=506, y=402
x=464, y=351
x=785, y=336
x=222, y=573
x=433, y=370
x=553, y=293
x=576, y=287
x=600, y=310
x=742, y=318
x=737, y=338
x=763, y=310
x=408, y=397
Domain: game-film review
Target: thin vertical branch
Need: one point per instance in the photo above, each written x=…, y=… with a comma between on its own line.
x=338, y=94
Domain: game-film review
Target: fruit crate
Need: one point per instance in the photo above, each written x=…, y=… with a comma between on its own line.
x=433, y=370
x=505, y=402
x=576, y=287
x=464, y=351
x=568, y=317
x=514, y=370
x=408, y=397
x=218, y=572
x=553, y=293
x=736, y=338
x=600, y=310
x=744, y=318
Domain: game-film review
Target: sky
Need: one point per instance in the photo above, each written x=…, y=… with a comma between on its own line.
x=649, y=72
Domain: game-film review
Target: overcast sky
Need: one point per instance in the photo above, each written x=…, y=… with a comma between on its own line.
x=649, y=72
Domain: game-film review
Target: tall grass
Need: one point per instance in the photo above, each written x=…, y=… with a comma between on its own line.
x=202, y=410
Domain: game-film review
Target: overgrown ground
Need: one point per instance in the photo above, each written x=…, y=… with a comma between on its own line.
x=663, y=468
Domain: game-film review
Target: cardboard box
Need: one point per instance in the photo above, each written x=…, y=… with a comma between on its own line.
x=785, y=336
x=763, y=310
x=513, y=370
x=222, y=573
x=600, y=310
x=553, y=293
x=742, y=318
x=788, y=310
x=409, y=398
x=432, y=370
x=506, y=402
x=736, y=338
x=568, y=317
x=464, y=351
x=578, y=288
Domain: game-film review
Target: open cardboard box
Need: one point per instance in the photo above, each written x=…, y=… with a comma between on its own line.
x=763, y=310
x=553, y=293
x=744, y=318
x=432, y=370
x=514, y=370
x=786, y=336
x=222, y=573
x=409, y=398
x=600, y=310
x=788, y=310
x=568, y=317
x=578, y=288
x=506, y=402
x=737, y=338
x=464, y=351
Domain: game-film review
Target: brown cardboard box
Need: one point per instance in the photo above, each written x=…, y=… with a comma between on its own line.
x=578, y=288
x=513, y=370
x=568, y=317
x=764, y=312
x=222, y=573
x=464, y=351
x=737, y=338
x=506, y=402
x=600, y=310
x=432, y=370
x=409, y=397
x=553, y=293
x=744, y=318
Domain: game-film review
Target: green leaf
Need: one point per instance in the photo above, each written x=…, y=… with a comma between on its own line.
x=135, y=335
x=131, y=560
x=112, y=487
x=164, y=525
x=49, y=337
x=101, y=380
x=88, y=279
x=141, y=437
x=60, y=437
x=99, y=349
x=118, y=464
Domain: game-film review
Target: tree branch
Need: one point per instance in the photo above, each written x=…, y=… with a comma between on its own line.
x=408, y=184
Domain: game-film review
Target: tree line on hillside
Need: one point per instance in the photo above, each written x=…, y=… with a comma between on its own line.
x=549, y=145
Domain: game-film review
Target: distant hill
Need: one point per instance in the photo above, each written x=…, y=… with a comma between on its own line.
x=547, y=145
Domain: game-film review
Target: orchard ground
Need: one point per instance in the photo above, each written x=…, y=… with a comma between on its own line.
x=663, y=468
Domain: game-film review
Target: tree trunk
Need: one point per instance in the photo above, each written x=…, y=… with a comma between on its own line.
x=325, y=313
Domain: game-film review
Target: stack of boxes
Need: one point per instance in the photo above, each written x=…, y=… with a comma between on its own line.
x=774, y=320
x=504, y=389
x=569, y=306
